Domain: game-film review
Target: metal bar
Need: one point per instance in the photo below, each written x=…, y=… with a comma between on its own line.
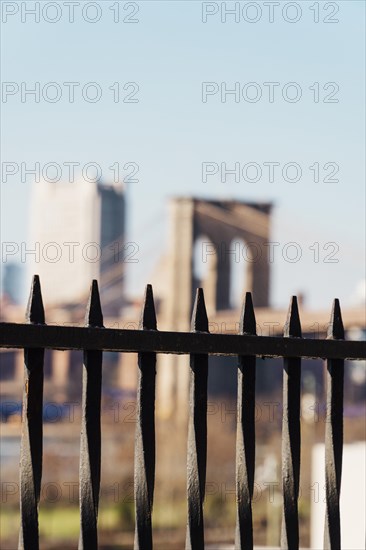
x=334, y=437
x=291, y=437
x=90, y=437
x=32, y=430
x=197, y=433
x=13, y=335
x=245, y=435
x=145, y=434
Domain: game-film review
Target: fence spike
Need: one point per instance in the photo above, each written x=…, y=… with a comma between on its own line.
x=148, y=315
x=32, y=429
x=35, y=310
x=144, y=467
x=335, y=328
x=247, y=318
x=245, y=434
x=199, y=322
x=90, y=437
x=293, y=325
x=291, y=435
x=94, y=315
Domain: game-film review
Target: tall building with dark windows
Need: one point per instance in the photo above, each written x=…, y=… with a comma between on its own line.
x=78, y=234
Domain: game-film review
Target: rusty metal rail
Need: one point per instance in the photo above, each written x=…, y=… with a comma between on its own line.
x=35, y=336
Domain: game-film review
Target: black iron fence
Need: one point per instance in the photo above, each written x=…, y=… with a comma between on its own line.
x=35, y=336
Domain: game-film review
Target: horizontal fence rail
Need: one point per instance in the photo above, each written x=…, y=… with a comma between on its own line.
x=14, y=335
x=35, y=336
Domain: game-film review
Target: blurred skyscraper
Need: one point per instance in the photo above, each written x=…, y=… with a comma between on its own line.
x=12, y=282
x=77, y=234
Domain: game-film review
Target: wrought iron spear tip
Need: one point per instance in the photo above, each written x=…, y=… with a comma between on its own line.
x=35, y=309
x=148, y=315
x=247, y=317
x=94, y=315
x=335, y=328
x=293, y=324
x=199, y=320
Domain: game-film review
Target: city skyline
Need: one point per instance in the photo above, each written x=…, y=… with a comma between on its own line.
x=186, y=120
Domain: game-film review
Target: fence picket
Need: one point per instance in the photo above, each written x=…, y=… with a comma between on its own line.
x=32, y=429
x=197, y=432
x=90, y=437
x=245, y=435
x=334, y=436
x=145, y=433
x=291, y=438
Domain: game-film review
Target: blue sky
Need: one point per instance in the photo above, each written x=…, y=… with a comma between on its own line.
x=170, y=132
